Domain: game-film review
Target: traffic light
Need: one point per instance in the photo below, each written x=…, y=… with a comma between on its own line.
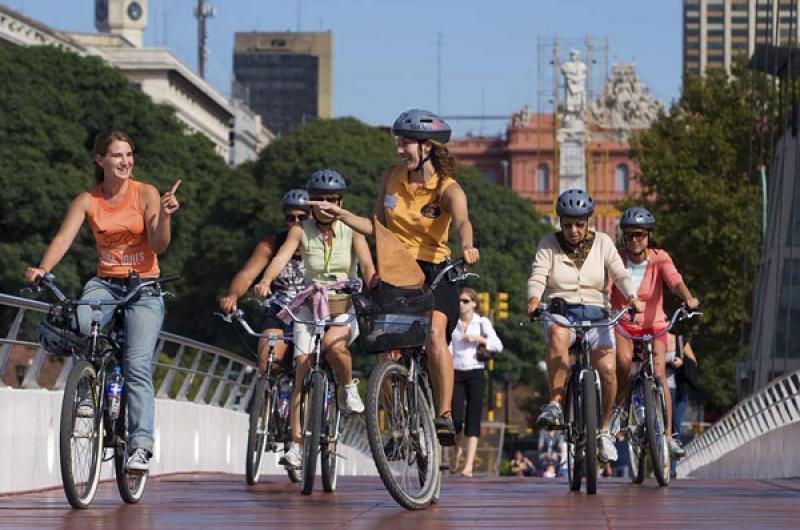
x=483, y=303
x=498, y=400
x=501, y=306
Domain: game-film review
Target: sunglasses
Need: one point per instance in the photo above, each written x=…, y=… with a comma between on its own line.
x=295, y=218
x=465, y=300
x=329, y=198
x=638, y=235
x=579, y=225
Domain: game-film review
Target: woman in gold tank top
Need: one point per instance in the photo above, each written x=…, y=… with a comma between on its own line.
x=131, y=225
x=418, y=201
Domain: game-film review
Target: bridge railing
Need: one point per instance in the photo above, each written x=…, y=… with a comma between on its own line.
x=183, y=369
x=772, y=407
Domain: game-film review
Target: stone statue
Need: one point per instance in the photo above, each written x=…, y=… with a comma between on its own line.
x=574, y=72
x=522, y=118
x=625, y=104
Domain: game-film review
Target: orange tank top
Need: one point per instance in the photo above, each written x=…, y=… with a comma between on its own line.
x=120, y=234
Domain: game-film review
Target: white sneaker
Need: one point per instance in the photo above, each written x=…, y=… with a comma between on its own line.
x=139, y=461
x=85, y=408
x=675, y=448
x=607, y=452
x=292, y=458
x=352, y=401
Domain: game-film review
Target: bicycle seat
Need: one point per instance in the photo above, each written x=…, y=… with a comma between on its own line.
x=638, y=351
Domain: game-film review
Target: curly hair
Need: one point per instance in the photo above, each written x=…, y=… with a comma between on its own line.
x=444, y=162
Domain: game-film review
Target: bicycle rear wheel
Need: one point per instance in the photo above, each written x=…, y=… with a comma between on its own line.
x=130, y=485
x=402, y=436
x=590, y=407
x=330, y=442
x=636, y=437
x=575, y=446
x=655, y=414
x=312, y=422
x=260, y=416
x=81, y=435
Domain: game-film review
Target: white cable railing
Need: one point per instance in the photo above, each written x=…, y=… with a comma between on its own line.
x=774, y=406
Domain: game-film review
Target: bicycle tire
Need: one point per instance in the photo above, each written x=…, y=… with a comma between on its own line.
x=655, y=412
x=80, y=476
x=327, y=455
x=590, y=408
x=312, y=424
x=259, y=424
x=130, y=485
x=636, y=444
x=416, y=457
x=575, y=454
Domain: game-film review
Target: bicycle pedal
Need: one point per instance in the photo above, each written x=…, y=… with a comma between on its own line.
x=444, y=467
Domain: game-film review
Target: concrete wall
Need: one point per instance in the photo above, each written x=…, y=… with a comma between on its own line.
x=773, y=455
x=189, y=437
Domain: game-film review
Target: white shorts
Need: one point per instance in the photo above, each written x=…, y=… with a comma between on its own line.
x=602, y=337
x=304, y=333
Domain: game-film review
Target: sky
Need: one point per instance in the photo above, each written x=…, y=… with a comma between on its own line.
x=386, y=55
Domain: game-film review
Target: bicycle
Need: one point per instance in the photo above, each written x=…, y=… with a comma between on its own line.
x=270, y=409
x=320, y=415
x=89, y=424
x=583, y=400
x=399, y=402
x=647, y=411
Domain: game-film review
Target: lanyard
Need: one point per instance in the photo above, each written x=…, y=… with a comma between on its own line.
x=326, y=250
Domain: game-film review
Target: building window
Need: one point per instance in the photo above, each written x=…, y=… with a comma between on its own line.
x=542, y=178
x=621, y=178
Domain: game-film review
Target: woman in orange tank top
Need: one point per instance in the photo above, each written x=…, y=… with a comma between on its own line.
x=418, y=201
x=131, y=225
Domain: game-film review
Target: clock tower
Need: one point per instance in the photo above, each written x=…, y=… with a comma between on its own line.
x=124, y=17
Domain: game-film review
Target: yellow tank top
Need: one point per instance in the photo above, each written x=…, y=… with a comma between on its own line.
x=121, y=235
x=418, y=219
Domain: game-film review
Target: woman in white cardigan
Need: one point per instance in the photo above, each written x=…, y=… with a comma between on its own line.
x=472, y=332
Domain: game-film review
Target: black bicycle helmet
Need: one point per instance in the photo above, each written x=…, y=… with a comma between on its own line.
x=422, y=125
x=574, y=203
x=296, y=198
x=637, y=217
x=326, y=181
x=58, y=340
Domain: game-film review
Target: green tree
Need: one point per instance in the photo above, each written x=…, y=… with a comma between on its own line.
x=696, y=168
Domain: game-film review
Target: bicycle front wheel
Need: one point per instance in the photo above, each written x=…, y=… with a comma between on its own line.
x=590, y=406
x=81, y=435
x=636, y=436
x=655, y=414
x=402, y=436
x=312, y=424
x=260, y=415
x=330, y=442
x=575, y=445
x=130, y=485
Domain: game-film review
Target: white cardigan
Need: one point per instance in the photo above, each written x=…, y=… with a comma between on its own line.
x=464, y=352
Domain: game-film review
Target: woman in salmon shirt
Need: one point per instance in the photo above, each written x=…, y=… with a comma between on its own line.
x=650, y=268
x=131, y=224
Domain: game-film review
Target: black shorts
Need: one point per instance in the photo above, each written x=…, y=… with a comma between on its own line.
x=445, y=296
x=271, y=321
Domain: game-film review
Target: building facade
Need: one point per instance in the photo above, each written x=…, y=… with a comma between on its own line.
x=155, y=71
x=285, y=77
x=716, y=31
x=527, y=158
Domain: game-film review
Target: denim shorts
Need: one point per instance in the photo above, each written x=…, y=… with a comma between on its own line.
x=601, y=337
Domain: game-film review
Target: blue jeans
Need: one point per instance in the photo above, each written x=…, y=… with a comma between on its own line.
x=143, y=321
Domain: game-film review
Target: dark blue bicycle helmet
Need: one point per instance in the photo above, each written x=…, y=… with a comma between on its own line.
x=422, y=125
x=326, y=181
x=637, y=217
x=574, y=203
x=296, y=198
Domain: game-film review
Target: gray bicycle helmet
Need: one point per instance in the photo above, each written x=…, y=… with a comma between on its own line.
x=326, y=181
x=637, y=217
x=421, y=125
x=574, y=203
x=296, y=198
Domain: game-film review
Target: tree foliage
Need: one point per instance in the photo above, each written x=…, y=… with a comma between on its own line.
x=697, y=167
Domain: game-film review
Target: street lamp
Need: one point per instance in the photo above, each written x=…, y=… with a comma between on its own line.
x=504, y=163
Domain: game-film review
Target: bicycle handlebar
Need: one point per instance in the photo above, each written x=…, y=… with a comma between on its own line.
x=682, y=313
x=460, y=267
x=48, y=280
x=238, y=315
x=282, y=302
x=542, y=311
